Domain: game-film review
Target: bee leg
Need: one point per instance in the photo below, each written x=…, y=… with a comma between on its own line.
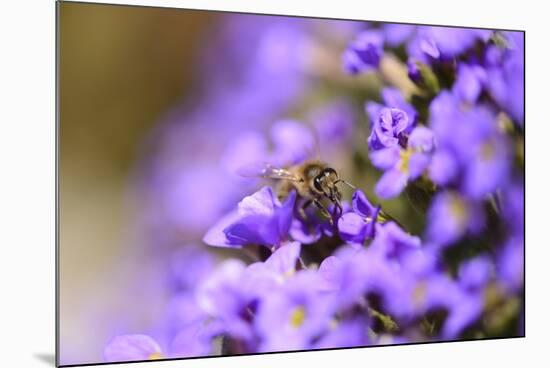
x=324, y=211
x=302, y=209
x=338, y=210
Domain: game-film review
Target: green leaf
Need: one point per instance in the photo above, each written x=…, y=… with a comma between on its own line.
x=429, y=79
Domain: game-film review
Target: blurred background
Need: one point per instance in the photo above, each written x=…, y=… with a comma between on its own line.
x=120, y=69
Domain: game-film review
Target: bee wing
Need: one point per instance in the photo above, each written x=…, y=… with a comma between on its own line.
x=316, y=149
x=265, y=170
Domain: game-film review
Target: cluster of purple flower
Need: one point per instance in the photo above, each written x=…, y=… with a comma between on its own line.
x=363, y=279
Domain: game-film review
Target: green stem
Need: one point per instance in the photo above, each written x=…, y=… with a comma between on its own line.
x=387, y=321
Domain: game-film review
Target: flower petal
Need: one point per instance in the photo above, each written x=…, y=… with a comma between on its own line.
x=216, y=236
x=443, y=167
x=330, y=272
x=283, y=260
x=391, y=184
x=361, y=204
x=304, y=233
x=386, y=158
x=284, y=215
x=469, y=82
x=260, y=203
x=131, y=347
x=418, y=162
x=421, y=139
x=352, y=228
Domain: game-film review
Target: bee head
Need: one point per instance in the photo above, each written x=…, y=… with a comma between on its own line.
x=325, y=183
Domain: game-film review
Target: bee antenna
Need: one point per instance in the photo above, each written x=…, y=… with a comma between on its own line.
x=345, y=182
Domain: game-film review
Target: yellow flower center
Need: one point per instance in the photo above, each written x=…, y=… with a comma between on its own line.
x=297, y=316
x=156, y=355
x=504, y=123
x=459, y=210
x=419, y=294
x=289, y=273
x=405, y=157
x=487, y=151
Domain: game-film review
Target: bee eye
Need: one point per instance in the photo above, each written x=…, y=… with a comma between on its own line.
x=329, y=171
x=317, y=183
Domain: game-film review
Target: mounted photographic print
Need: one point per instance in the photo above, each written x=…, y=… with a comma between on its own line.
x=235, y=184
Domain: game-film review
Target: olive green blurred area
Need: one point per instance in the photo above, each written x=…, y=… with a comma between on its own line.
x=120, y=68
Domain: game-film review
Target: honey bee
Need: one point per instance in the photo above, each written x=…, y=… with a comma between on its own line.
x=315, y=182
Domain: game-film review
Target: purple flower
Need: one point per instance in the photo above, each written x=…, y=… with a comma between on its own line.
x=259, y=219
x=396, y=34
x=364, y=53
x=344, y=274
x=283, y=260
x=132, y=347
x=351, y=274
x=450, y=217
x=388, y=128
x=346, y=334
x=395, y=261
x=402, y=165
x=485, y=160
x=488, y=168
x=290, y=318
x=418, y=261
x=440, y=292
x=233, y=292
x=443, y=43
x=452, y=41
x=395, y=177
x=275, y=270
x=185, y=329
x=390, y=287
x=392, y=98
x=513, y=209
x=470, y=82
x=181, y=312
x=223, y=297
x=422, y=47
x=464, y=313
x=306, y=231
x=510, y=265
x=392, y=243
x=482, y=165
x=506, y=76
x=192, y=341
x=454, y=124
x=443, y=167
x=357, y=226
x=475, y=273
